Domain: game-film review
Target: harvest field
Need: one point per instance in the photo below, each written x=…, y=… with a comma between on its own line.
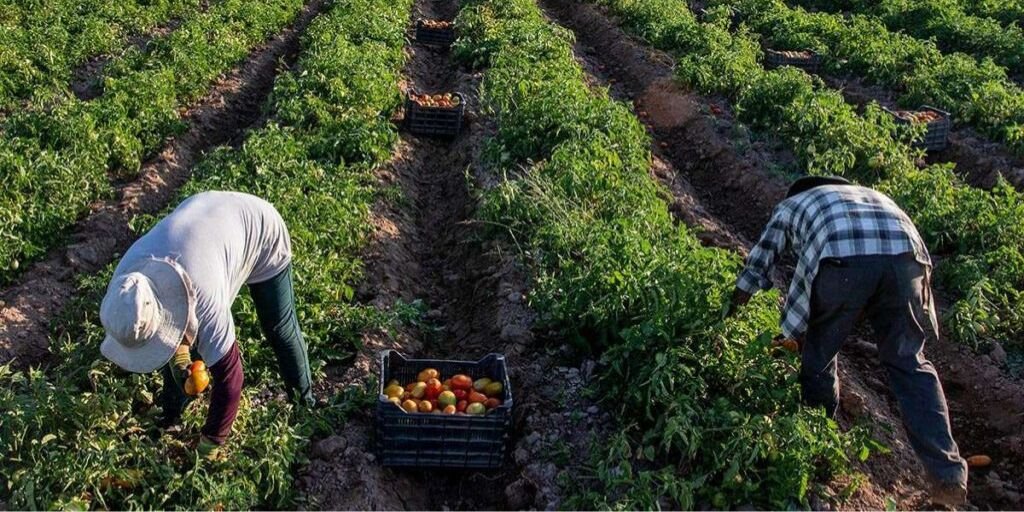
x=615, y=163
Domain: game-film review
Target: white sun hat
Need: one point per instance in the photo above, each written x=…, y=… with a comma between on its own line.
x=146, y=312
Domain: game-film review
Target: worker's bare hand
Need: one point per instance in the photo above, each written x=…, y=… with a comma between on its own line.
x=739, y=298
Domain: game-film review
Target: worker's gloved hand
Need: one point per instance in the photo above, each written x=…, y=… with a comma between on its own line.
x=739, y=298
x=209, y=450
x=180, y=366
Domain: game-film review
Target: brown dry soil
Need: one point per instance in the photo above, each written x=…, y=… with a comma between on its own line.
x=693, y=135
x=427, y=248
x=232, y=105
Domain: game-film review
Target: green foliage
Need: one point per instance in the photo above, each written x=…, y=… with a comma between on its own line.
x=709, y=415
x=947, y=22
x=830, y=137
x=81, y=435
x=42, y=42
x=977, y=92
x=58, y=158
x=1007, y=12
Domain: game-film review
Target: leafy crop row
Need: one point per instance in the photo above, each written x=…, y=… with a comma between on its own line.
x=945, y=21
x=979, y=94
x=1007, y=12
x=981, y=230
x=708, y=417
x=80, y=434
x=55, y=161
x=41, y=42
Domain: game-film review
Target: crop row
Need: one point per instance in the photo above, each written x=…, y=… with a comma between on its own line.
x=80, y=434
x=55, y=161
x=707, y=416
x=979, y=94
x=980, y=230
x=42, y=42
x=1006, y=11
x=948, y=23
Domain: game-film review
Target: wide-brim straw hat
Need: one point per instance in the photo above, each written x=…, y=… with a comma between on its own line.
x=146, y=313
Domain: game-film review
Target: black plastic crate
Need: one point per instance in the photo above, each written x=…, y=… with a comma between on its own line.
x=439, y=121
x=808, y=61
x=419, y=440
x=434, y=36
x=936, y=135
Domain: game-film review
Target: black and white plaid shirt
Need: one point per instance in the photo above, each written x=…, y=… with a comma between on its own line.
x=832, y=221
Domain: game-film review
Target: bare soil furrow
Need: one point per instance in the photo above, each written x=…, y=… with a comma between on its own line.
x=428, y=248
x=714, y=159
x=986, y=417
x=232, y=106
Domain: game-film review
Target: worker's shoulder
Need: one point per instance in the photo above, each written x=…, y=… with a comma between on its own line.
x=837, y=194
x=224, y=196
x=221, y=199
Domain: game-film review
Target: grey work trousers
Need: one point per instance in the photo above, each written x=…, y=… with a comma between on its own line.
x=893, y=292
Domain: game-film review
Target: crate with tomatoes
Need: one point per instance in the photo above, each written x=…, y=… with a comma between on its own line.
x=443, y=413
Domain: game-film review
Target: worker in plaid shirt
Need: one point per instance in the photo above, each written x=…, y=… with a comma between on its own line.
x=859, y=255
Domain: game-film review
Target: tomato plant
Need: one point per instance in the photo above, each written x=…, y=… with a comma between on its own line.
x=81, y=434
x=707, y=414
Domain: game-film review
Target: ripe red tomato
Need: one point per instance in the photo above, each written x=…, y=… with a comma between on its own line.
x=461, y=406
x=460, y=394
x=477, y=398
x=461, y=381
x=491, y=403
x=433, y=388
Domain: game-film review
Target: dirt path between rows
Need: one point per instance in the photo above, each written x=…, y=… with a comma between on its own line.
x=232, y=106
x=474, y=292
x=986, y=404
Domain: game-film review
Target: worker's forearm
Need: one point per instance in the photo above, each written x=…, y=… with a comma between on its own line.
x=227, y=391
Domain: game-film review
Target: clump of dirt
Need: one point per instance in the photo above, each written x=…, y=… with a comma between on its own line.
x=231, y=106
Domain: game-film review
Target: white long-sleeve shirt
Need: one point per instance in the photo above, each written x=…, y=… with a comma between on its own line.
x=222, y=240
